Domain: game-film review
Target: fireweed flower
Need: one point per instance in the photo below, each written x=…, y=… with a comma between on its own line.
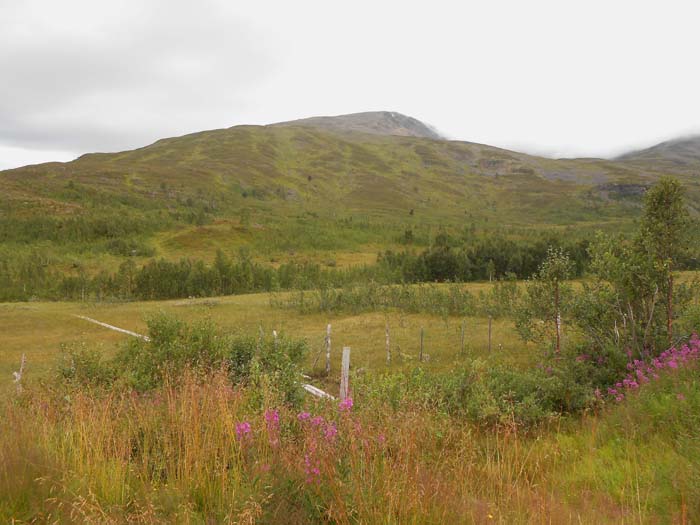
x=303, y=416
x=669, y=360
x=330, y=431
x=243, y=430
x=272, y=418
x=312, y=468
x=312, y=465
x=345, y=405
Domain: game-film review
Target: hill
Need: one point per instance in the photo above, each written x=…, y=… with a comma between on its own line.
x=680, y=153
x=335, y=189
x=372, y=164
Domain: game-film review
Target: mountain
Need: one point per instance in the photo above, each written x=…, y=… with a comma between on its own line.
x=374, y=122
x=680, y=152
x=351, y=185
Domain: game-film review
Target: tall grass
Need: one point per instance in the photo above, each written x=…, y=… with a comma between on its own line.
x=198, y=450
x=176, y=456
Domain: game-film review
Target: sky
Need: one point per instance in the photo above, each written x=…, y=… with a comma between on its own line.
x=558, y=78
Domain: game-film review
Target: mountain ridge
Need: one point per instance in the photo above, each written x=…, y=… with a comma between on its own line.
x=335, y=165
x=372, y=122
x=681, y=150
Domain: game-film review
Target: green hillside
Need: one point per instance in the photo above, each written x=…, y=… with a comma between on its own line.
x=333, y=173
x=315, y=189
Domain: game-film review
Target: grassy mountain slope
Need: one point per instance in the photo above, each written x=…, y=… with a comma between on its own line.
x=299, y=185
x=683, y=153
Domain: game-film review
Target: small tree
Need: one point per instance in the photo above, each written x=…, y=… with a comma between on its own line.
x=663, y=235
x=623, y=306
x=491, y=269
x=546, y=295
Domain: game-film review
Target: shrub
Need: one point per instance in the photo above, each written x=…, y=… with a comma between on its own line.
x=83, y=366
x=486, y=395
x=174, y=347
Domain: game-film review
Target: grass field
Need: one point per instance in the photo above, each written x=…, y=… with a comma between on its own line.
x=120, y=458
x=39, y=329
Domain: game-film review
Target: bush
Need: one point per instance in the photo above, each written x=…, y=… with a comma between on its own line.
x=82, y=366
x=487, y=395
x=452, y=299
x=174, y=347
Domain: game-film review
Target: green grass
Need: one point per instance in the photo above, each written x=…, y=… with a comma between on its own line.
x=87, y=457
x=173, y=457
x=40, y=328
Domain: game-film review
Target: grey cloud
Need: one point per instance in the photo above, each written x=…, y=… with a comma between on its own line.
x=169, y=68
x=86, y=75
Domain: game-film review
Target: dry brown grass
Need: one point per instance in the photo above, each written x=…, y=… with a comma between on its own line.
x=173, y=456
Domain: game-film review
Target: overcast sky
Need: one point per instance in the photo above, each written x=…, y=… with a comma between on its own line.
x=560, y=78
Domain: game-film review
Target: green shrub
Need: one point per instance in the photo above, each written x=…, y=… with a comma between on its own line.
x=83, y=366
x=485, y=394
x=174, y=346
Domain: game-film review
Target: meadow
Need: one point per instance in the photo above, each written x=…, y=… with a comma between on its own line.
x=193, y=451
x=39, y=329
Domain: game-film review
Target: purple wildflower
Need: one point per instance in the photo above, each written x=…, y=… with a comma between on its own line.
x=272, y=417
x=331, y=431
x=243, y=430
x=312, y=466
x=272, y=420
x=641, y=372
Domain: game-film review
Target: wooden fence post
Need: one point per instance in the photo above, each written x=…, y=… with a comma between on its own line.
x=18, y=374
x=558, y=331
x=388, y=345
x=420, y=356
x=328, y=349
x=345, y=374
x=490, y=319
